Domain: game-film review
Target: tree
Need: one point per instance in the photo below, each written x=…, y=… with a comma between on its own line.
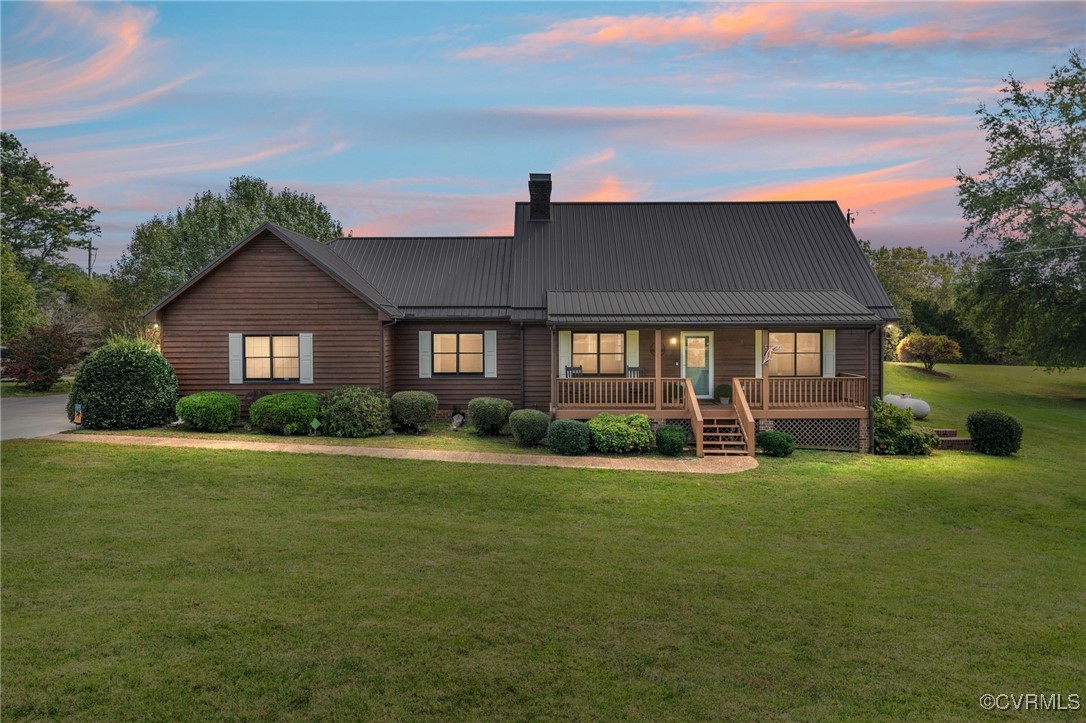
x=167, y=250
x=39, y=217
x=928, y=349
x=18, y=310
x=1027, y=206
x=42, y=354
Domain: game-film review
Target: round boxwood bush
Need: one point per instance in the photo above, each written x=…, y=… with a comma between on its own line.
x=569, y=437
x=915, y=441
x=126, y=384
x=529, y=426
x=413, y=411
x=671, y=440
x=289, y=413
x=776, y=444
x=209, y=411
x=620, y=433
x=489, y=415
x=354, y=412
x=994, y=432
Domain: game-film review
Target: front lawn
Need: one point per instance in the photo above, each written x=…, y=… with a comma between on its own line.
x=194, y=584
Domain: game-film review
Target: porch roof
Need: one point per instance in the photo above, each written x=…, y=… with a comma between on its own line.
x=785, y=307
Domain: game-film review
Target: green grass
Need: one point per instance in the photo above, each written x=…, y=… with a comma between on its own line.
x=16, y=389
x=194, y=584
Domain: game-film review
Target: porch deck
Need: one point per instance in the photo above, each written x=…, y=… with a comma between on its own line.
x=718, y=428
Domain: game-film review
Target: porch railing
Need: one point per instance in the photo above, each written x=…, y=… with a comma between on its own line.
x=743, y=415
x=622, y=393
x=845, y=390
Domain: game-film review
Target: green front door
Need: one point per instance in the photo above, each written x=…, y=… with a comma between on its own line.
x=697, y=362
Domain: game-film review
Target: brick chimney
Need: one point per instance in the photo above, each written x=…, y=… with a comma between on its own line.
x=539, y=189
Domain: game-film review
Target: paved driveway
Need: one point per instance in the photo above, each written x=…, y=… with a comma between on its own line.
x=22, y=417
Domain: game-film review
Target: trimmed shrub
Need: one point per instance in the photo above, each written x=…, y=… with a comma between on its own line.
x=354, y=412
x=413, y=411
x=529, y=426
x=994, y=432
x=209, y=411
x=670, y=440
x=889, y=423
x=126, y=384
x=489, y=415
x=41, y=355
x=620, y=434
x=915, y=441
x=723, y=391
x=775, y=444
x=287, y=414
x=569, y=437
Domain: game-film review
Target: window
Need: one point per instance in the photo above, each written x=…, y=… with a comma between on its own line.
x=600, y=353
x=458, y=353
x=798, y=354
x=271, y=358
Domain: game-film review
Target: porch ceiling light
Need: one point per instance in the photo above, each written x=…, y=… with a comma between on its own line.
x=673, y=340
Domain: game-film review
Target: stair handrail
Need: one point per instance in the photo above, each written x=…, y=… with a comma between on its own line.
x=696, y=420
x=742, y=413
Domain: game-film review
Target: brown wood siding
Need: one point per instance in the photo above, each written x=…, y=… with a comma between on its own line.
x=852, y=357
x=268, y=288
x=458, y=391
x=537, y=367
x=390, y=355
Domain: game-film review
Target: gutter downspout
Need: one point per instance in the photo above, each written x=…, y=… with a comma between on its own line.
x=522, y=394
x=384, y=325
x=870, y=406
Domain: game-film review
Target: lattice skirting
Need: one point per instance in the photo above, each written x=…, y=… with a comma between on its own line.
x=681, y=422
x=848, y=435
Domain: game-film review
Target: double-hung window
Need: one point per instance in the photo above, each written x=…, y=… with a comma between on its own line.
x=271, y=358
x=796, y=354
x=600, y=353
x=458, y=353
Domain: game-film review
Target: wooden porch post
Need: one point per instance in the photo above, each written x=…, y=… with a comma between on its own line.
x=765, y=372
x=659, y=371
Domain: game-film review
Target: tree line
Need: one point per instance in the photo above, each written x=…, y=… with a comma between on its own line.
x=1015, y=295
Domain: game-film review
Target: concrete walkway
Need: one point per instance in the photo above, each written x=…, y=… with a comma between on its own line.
x=23, y=417
x=685, y=465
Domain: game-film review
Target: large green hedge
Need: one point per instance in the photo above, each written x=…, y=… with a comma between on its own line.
x=569, y=437
x=413, y=411
x=489, y=415
x=994, y=432
x=126, y=384
x=529, y=426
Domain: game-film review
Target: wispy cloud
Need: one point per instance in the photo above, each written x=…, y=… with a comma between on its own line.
x=110, y=62
x=836, y=27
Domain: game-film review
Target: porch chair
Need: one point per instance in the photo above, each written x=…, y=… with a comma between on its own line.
x=576, y=372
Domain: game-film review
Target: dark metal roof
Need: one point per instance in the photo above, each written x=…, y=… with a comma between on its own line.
x=317, y=253
x=435, y=277
x=710, y=307
x=750, y=246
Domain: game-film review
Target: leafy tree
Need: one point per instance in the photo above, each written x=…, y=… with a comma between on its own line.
x=1027, y=206
x=41, y=219
x=18, y=310
x=42, y=354
x=167, y=250
x=928, y=349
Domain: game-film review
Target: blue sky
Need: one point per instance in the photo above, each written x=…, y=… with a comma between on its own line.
x=426, y=118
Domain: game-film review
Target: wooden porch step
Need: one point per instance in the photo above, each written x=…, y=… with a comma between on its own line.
x=718, y=438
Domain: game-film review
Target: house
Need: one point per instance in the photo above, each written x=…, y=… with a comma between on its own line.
x=586, y=308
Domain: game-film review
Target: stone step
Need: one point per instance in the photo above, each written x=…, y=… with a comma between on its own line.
x=945, y=432
x=960, y=444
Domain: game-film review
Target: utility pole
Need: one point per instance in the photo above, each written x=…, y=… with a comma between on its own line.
x=90, y=260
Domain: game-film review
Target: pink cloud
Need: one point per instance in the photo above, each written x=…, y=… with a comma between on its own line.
x=838, y=27
x=110, y=63
x=609, y=189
